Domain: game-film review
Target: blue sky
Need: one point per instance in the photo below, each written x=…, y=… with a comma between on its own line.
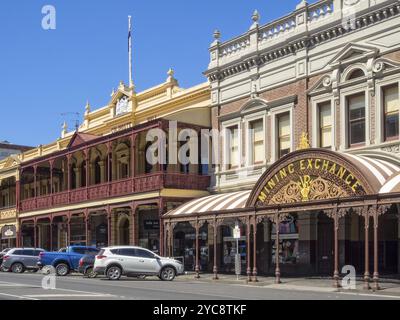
x=44, y=73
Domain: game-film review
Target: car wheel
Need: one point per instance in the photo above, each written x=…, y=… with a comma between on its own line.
x=62, y=269
x=17, y=268
x=167, y=274
x=114, y=273
x=90, y=273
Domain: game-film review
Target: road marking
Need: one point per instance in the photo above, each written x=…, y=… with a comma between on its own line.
x=371, y=295
x=19, y=297
x=66, y=295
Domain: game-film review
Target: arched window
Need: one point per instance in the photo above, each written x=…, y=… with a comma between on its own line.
x=355, y=74
x=97, y=171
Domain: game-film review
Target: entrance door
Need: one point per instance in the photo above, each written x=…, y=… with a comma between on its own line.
x=325, y=245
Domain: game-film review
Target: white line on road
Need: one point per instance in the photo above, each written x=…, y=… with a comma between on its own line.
x=19, y=297
x=66, y=295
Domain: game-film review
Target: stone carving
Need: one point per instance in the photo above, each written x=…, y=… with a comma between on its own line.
x=122, y=106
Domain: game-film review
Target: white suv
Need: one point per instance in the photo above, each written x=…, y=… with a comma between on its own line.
x=135, y=261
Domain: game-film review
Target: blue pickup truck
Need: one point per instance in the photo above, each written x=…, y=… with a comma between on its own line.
x=65, y=260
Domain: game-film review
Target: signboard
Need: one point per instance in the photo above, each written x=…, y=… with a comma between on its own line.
x=151, y=224
x=8, y=232
x=236, y=232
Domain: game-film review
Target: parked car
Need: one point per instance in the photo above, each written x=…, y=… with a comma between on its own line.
x=114, y=262
x=86, y=266
x=2, y=254
x=18, y=260
x=65, y=260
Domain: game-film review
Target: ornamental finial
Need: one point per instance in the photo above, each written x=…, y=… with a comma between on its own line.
x=304, y=142
x=256, y=16
x=217, y=34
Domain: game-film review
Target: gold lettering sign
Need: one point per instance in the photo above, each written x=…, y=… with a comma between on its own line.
x=309, y=179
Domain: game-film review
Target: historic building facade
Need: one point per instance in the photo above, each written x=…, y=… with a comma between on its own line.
x=309, y=109
x=94, y=186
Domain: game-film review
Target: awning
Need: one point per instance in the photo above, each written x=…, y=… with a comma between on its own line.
x=213, y=203
x=373, y=172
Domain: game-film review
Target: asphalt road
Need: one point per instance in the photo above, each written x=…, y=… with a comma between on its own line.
x=28, y=286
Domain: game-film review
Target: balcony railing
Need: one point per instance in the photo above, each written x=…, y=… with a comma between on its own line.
x=139, y=184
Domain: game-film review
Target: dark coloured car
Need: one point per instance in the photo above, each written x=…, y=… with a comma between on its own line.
x=18, y=260
x=2, y=254
x=86, y=265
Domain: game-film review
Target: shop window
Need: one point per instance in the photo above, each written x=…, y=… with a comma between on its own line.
x=356, y=119
x=257, y=141
x=391, y=112
x=325, y=125
x=230, y=248
x=288, y=241
x=284, y=134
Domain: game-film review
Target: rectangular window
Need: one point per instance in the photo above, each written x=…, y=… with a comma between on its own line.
x=325, y=125
x=356, y=119
x=233, y=144
x=284, y=134
x=257, y=140
x=391, y=112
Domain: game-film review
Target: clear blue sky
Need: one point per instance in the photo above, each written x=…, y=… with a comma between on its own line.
x=46, y=73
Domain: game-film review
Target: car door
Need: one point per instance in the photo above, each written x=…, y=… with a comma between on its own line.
x=148, y=263
x=28, y=258
x=128, y=259
x=77, y=254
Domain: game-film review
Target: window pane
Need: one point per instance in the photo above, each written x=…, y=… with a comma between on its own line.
x=284, y=125
x=356, y=108
x=325, y=125
x=325, y=117
x=391, y=111
x=259, y=152
x=233, y=146
x=257, y=128
x=391, y=98
x=326, y=137
x=284, y=134
x=357, y=132
x=392, y=125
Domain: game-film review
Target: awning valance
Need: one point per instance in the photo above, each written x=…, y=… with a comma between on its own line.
x=213, y=203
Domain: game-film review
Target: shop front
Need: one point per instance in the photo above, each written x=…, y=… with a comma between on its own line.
x=8, y=236
x=311, y=213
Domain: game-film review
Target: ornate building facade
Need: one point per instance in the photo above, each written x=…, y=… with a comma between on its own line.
x=93, y=186
x=309, y=106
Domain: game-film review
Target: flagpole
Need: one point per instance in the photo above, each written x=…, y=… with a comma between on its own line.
x=130, y=50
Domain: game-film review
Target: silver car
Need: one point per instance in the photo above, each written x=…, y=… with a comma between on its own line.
x=135, y=261
x=18, y=260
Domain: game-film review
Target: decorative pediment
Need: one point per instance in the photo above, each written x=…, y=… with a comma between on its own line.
x=11, y=161
x=80, y=138
x=352, y=53
x=323, y=84
x=383, y=64
x=252, y=105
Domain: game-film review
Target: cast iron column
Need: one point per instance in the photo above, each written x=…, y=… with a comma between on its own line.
x=277, y=262
x=336, y=283
x=35, y=234
x=376, y=273
x=248, y=254
x=197, y=268
x=255, y=250
x=366, y=273
x=215, y=268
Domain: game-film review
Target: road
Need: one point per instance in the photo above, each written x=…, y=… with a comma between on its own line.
x=28, y=286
